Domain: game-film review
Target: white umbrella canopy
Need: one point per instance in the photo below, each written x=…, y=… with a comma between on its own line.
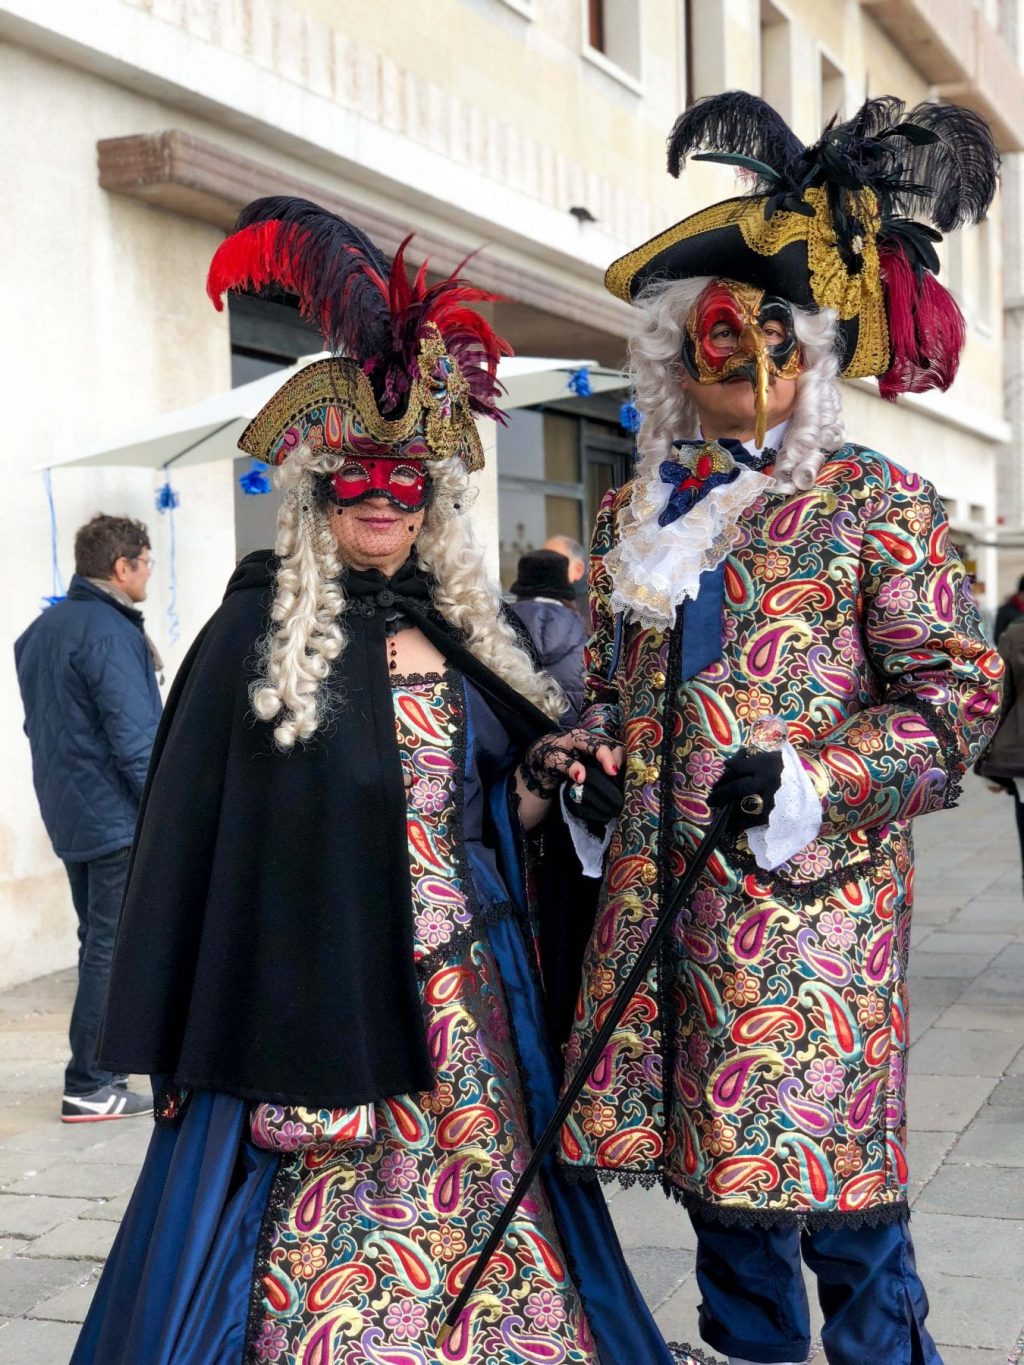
x=210, y=429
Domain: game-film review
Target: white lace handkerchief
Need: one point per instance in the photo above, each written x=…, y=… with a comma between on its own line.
x=795, y=819
x=589, y=849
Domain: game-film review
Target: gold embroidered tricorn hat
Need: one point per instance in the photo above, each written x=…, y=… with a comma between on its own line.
x=832, y=226
x=414, y=364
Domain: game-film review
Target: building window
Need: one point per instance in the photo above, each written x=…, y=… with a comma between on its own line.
x=553, y=470
x=612, y=39
x=595, y=24
x=832, y=89
x=265, y=337
x=776, y=60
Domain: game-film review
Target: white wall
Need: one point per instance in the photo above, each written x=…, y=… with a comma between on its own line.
x=96, y=340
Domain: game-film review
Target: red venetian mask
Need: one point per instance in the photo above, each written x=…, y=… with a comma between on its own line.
x=738, y=331
x=404, y=483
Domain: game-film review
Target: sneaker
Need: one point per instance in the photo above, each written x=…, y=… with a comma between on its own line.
x=109, y=1102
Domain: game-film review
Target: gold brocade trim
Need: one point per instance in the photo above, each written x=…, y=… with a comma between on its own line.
x=438, y=408
x=857, y=296
x=619, y=275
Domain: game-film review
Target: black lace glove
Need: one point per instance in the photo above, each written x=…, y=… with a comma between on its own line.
x=547, y=761
x=749, y=784
x=600, y=797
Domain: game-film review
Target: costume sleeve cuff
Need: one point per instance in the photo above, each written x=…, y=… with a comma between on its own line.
x=589, y=849
x=795, y=820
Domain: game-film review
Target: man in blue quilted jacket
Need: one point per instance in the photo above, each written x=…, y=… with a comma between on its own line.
x=88, y=678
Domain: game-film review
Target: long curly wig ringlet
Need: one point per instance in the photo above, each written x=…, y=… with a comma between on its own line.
x=307, y=635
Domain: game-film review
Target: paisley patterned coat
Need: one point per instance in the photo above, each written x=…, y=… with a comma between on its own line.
x=761, y=1069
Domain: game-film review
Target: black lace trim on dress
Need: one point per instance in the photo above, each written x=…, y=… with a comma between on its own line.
x=550, y=1169
x=416, y=679
x=666, y=824
x=277, y=1202
x=811, y=890
x=685, y=1354
x=475, y=931
x=880, y=1215
x=945, y=737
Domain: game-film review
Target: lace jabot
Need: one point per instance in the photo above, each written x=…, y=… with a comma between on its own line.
x=655, y=568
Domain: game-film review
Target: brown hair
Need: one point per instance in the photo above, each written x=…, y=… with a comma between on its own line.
x=100, y=543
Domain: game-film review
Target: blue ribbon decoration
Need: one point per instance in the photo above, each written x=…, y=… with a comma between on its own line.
x=630, y=417
x=58, y=592
x=701, y=618
x=579, y=382
x=701, y=621
x=166, y=501
x=254, y=482
x=682, y=498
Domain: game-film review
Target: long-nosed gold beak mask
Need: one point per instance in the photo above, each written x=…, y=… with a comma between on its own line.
x=734, y=329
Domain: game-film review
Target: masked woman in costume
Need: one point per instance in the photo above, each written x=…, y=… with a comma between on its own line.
x=326, y=946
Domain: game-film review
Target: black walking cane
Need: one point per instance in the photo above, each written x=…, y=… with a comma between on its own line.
x=707, y=846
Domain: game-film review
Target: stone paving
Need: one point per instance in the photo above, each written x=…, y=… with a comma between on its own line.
x=63, y=1187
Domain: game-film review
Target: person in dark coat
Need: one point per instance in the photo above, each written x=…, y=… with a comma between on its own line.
x=87, y=674
x=1011, y=610
x=545, y=605
x=1002, y=763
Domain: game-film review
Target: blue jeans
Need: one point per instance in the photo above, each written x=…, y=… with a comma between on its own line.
x=97, y=889
x=754, y=1305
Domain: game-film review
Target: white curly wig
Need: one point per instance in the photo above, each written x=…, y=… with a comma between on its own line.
x=308, y=611
x=655, y=369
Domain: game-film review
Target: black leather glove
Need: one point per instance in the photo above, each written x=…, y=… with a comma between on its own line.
x=747, y=780
x=600, y=799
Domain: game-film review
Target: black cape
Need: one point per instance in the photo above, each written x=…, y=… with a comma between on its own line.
x=265, y=947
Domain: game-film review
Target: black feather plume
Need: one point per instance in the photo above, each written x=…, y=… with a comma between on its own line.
x=340, y=277
x=959, y=163
x=738, y=124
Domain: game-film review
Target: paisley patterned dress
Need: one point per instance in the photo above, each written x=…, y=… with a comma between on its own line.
x=376, y=1214
x=761, y=1070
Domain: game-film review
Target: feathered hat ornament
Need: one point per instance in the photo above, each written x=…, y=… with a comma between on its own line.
x=834, y=225
x=414, y=364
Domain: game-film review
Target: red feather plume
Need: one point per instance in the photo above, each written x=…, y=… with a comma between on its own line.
x=366, y=308
x=926, y=328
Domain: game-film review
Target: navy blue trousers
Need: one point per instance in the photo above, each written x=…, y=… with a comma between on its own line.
x=97, y=889
x=755, y=1305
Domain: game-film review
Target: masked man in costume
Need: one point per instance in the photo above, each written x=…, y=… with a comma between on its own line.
x=781, y=623
x=327, y=946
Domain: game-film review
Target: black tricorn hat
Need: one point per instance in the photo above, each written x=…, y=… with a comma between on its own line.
x=544, y=573
x=830, y=225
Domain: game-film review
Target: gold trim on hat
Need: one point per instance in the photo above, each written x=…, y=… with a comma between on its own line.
x=438, y=409
x=857, y=296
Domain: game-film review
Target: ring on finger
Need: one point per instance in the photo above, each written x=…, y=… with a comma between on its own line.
x=752, y=805
x=576, y=792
